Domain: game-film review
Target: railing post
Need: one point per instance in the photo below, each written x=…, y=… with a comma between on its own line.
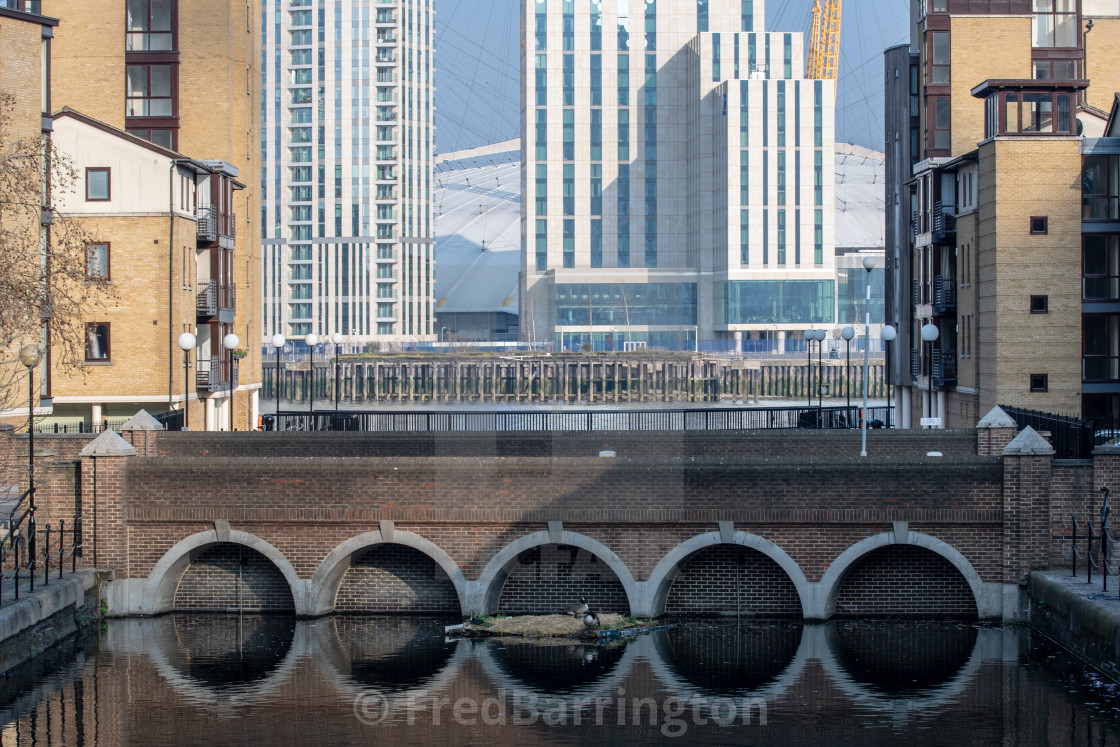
x=15, y=574
x=31, y=554
x=1089, y=554
x=61, y=544
x=1073, y=549
x=47, y=557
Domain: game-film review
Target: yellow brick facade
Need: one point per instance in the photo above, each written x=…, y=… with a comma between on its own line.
x=1102, y=53
x=1007, y=54
x=218, y=109
x=1020, y=178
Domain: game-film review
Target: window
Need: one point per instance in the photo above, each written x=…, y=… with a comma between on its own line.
x=1039, y=224
x=1099, y=188
x=1039, y=383
x=149, y=26
x=1054, y=23
x=941, y=66
x=97, y=341
x=941, y=123
x=97, y=185
x=149, y=91
x=97, y=261
x=1040, y=304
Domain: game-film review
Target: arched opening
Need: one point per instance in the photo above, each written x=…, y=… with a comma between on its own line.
x=905, y=581
x=230, y=577
x=547, y=578
x=903, y=658
x=392, y=578
x=729, y=579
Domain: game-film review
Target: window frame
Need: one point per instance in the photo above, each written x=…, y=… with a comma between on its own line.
x=108, y=171
x=1039, y=382
x=108, y=356
x=1040, y=304
x=108, y=261
x=1039, y=225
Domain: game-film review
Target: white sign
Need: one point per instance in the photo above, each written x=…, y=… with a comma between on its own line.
x=931, y=421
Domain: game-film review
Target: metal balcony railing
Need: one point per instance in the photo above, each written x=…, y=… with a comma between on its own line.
x=944, y=296
x=915, y=363
x=207, y=226
x=944, y=221
x=209, y=373
x=944, y=368
x=206, y=302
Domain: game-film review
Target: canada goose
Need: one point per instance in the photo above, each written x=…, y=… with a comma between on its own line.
x=591, y=619
x=577, y=609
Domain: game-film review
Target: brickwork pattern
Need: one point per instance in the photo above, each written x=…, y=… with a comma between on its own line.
x=904, y=581
x=395, y=578
x=228, y=577
x=549, y=578
x=727, y=578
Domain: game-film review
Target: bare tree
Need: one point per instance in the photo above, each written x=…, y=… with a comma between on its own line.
x=45, y=282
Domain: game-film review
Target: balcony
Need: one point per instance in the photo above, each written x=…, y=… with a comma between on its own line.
x=944, y=296
x=944, y=368
x=944, y=223
x=213, y=298
x=207, y=226
x=212, y=374
x=915, y=363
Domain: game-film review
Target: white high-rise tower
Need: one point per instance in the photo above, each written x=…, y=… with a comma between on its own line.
x=347, y=169
x=677, y=176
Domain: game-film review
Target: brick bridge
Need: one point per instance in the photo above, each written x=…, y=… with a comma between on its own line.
x=770, y=523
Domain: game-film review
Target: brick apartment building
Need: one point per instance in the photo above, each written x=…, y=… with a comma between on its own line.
x=1002, y=222
x=175, y=233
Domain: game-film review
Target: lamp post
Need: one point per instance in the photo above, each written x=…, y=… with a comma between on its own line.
x=312, y=340
x=336, y=338
x=186, y=344
x=848, y=333
x=29, y=356
x=810, y=335
x=888, y=333
x=278, y=343
x=230, y=343
x=819, y=335
x=930, y=333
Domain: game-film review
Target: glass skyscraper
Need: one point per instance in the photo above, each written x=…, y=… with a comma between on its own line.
x=346, y=169
x=677, y=176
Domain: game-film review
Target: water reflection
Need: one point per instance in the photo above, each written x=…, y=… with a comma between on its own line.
x=722, y=657
x=555, y=667
x=227, y=652
x=230, y=680
x=391, y=654
x=903, y=659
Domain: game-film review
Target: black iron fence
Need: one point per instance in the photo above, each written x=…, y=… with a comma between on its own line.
x=1072, y=438
x=30, y=553
x=1097, y=543
x=706, y=419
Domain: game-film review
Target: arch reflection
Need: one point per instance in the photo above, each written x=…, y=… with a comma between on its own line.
x=390, y=654
x=902, y=659
x=718, y=658
x=561, y=667
x=228, y=652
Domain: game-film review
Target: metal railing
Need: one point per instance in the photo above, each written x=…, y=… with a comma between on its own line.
x=730, y=419
x=1071, y=438
x=207, y=225
x=944, y=368
x=26, y=550
x=1098, y=545
x=944, y=296
x=944, y=222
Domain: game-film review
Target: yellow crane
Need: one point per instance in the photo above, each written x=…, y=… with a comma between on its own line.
x=824, y=40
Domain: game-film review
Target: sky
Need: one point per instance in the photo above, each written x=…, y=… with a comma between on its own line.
x=478, y=67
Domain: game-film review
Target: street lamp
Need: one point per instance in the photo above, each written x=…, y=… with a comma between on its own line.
x=887, y=333
x=312, y=340
x=336, y=338
x=819, y=335
x=186, y=344
x=30, y=356
x=930, y=333
x=278, y=343
x=230, y=343
x=848, y=333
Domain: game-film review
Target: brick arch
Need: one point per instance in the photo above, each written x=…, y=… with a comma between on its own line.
x=661, y=579
x=164, y=578
x=494, y=575
x=833, y=579
x=328, y=576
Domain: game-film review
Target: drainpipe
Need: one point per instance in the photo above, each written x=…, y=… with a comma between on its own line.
x=171, y=284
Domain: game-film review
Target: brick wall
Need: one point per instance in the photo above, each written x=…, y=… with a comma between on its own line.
x=228, y=577
x=904, y=581
x=394, y=578
x=729, y=579
x=549, y=578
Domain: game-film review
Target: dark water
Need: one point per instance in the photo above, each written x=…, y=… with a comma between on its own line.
x=219, y=680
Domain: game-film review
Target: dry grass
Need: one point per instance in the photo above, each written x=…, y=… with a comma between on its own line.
x=547, y=625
